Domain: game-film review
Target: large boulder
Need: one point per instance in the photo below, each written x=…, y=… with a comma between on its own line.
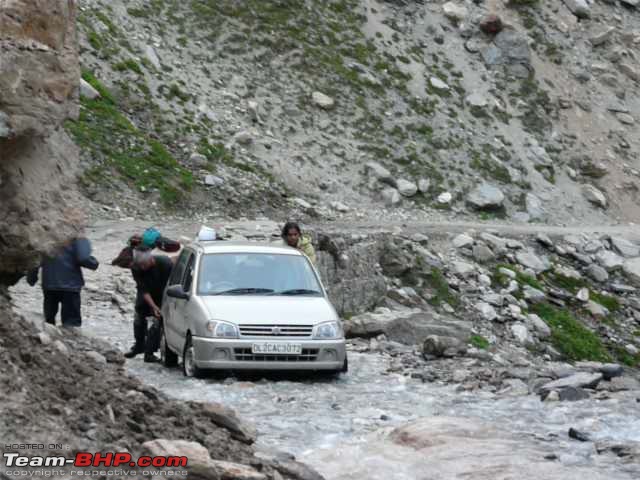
x=414, y=329
x=486, y=197
x=39, y=91
x=632, y=269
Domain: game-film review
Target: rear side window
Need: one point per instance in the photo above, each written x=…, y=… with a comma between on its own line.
x=178, y=270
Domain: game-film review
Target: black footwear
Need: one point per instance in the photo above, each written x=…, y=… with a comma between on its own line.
x=132, y=353
x=150, y=358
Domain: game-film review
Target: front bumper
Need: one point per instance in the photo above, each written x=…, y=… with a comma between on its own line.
x=235, y=354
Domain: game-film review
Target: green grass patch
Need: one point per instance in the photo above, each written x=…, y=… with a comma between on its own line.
x=570, y=336
x=442, y=292
x=129, y=64
x=109, y=137
x=489, y=167
x=479, y=341
x=522, y=278
x=607, y=301
x=568, y=283
x=625, y=357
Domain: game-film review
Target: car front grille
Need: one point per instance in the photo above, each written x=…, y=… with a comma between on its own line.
x=246, y=355
x=276, y=330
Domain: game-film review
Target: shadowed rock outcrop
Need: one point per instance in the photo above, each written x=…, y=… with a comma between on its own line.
x=39, y=75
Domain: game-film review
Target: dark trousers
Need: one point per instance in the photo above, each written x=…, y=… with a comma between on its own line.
x=70, y=311
x=146, y=332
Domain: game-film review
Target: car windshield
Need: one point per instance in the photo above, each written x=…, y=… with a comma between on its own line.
x=256, y=274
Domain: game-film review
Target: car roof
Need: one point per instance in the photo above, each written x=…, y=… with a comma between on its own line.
x=222, y=246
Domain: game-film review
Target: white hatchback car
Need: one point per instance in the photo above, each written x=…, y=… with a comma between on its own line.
x=249, y=306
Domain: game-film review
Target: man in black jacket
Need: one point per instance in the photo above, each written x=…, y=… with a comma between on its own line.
x=146, y=339
x=151, y=273
x=62, y=281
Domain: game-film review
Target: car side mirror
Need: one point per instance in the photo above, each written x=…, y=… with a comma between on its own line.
x=176, y=291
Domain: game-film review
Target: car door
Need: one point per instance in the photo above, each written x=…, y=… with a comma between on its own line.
x=169, y=303
x=182, y=310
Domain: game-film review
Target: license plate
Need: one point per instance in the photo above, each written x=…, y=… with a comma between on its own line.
x=277, y=348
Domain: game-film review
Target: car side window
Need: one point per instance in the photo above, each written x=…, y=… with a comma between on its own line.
x=189, y=270
x=178, y=270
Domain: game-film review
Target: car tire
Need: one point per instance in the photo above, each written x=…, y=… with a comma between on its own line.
x=345, y=365
x=189, y=368
x=167, y=356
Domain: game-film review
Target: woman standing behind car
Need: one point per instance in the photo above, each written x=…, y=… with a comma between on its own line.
x=292, y=237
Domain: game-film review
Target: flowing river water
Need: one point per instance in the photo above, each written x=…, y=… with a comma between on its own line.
x=340, y=426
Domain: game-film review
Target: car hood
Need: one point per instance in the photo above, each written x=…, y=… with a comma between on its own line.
x=267, y=310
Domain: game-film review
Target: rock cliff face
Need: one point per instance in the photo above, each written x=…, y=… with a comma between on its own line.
x=39, y=76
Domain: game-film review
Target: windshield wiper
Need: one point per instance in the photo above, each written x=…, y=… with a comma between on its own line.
x=298, y=291
x=243, y=291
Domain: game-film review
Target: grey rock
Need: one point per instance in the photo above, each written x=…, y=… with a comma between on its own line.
x=406, y=188
x=625, y=247
x=477, y=100
x=423, y=185
x=486, y=197
x=97, y=357
x=438, y=84
x=380, y=173
x=629, y=71
x=620, y=384
x=494, y=299
x=44, y=338
x=414, y=329
x=462, y=240
x=507, y=272
x=323, y=101
x=87, y=90
x=198, y=160
x=595, y=196
x=631, y=268
x=602, y=36
x=544, y=240
x=534, y=207
x=521, y=334
x=455, y=12
x=625, y=118
x=482, y=253
x=151, y=55
x=5, y=129
x=226, y=418
x=609, y=260
x=611, y=370
x=539, y=325
x=514, y=387
x=487, y=312
x=509, y=47
x=631, y=3
x=462, y=269
x=580, y=8
x=573, y=394
x=577, y=380
x=445, y=198
x=529, y=259
x=533, y=295
x=213, y=181
x=244, y=137
x=597, y=273
x=583, y=295
x=596, y=310
x=391, y=196
x=439, y=346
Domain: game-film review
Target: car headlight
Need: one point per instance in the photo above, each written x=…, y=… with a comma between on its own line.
x=328, y=330
x=222, y=329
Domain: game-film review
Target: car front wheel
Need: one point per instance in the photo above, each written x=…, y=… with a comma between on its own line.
x=189, y=366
